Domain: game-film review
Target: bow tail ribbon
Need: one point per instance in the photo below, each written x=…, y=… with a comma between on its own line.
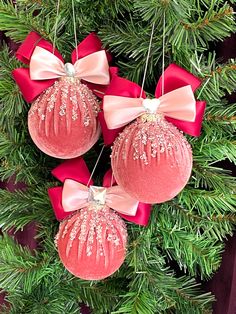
x=29, y=89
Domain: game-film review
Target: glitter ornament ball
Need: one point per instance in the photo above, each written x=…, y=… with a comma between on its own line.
x=62, y=121
x=151, y=159
x=92, y=243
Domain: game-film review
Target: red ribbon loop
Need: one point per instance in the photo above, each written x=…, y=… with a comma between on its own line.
x=176, y=77
x=76, y=169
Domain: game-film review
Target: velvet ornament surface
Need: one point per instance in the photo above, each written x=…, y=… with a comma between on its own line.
x=151, y=159
x=92, y=243
x=62, y=121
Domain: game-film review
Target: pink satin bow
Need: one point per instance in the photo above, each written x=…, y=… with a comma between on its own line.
x=93, y=68
x=76, y=196
x=178, y=104
x=122, y=103
x=89, y=62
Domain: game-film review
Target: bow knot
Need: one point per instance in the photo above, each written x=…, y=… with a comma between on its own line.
x=97, y=195
x=151, y=105
x=69, y=69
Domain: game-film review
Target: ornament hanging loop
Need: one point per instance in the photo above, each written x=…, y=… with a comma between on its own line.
x=55, y=27
x=74, y=26
x=149, y=52
x=95, y=166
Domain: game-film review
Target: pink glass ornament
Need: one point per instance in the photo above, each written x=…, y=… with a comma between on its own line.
x=62, y=121
x=151, y=159
x=92, y=243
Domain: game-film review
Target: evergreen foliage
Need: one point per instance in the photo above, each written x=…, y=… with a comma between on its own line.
x=186, y=232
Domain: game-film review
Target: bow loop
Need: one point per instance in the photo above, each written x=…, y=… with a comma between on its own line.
x=176, y=77
x=33, y=40
x=74, y=195
x=88, y=45
x=44, y=65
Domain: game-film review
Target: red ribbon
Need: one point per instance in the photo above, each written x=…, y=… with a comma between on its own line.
x=32, y=88
x=76, y=169
x=174, y=77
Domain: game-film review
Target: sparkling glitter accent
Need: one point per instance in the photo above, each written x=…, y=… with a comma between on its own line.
x=71, y=97
x=149, y=137
x=64, y=97
x=150, y=117
x=91, y=228
x=97, y=195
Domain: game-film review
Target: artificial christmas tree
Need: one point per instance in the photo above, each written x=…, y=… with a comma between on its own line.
x=184, y=237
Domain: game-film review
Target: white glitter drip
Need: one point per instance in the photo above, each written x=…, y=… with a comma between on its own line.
x=90, y=227
x=64, y=97
x=148, y=139
x=67, y=92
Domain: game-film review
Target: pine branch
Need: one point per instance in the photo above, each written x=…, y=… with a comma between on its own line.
x=157, y=283
x=12, y=104
x=19, y=158
x=192, y=304
x=210, y=18
x=21, y=207
x=18, y=267
x=190, y=228
x=51, y=298
x=153, y=10
x=199, y=33
x=212, y=226
x=215, y=151
x=17, y=24
x=194, y=252
x=218, y=79
x=213, y=178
